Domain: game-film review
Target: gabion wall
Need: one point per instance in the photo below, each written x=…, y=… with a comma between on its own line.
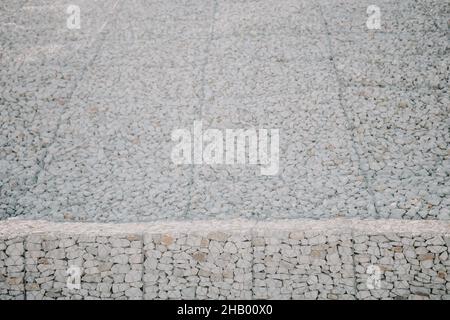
x=337, y=259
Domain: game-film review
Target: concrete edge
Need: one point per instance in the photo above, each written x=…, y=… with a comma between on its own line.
x=20, y=227
x=236, y=259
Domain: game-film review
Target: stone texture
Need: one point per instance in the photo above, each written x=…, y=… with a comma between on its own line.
x=12, y=268
x=104, y=272
x=239, y=259
x=409, y=267
x=86, y=129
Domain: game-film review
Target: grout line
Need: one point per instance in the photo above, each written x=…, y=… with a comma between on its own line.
x=40, y=160
x=34, y=114
x=252, y=246
x=143, y=251
x=24, y=267
x=81, y=74
x=355, y=286
x=202, y=99
x=349, y=122
x=429, y=14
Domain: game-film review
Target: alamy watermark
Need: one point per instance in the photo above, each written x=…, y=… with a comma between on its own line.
x=228, y=146
x=74, y=278
x=374, y=278
x=73, y=20
x=374, y=20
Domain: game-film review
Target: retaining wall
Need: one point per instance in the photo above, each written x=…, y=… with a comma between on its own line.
x=237, y=259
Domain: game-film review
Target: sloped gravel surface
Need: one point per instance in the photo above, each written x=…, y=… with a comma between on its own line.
x=87, y=114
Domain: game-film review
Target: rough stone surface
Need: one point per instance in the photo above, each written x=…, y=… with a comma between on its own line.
x=238, y=259
x=87, y=114
x=211, y=268
x=105, y=268
x=313, y=266
x=411, y=267
x=12, y=267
